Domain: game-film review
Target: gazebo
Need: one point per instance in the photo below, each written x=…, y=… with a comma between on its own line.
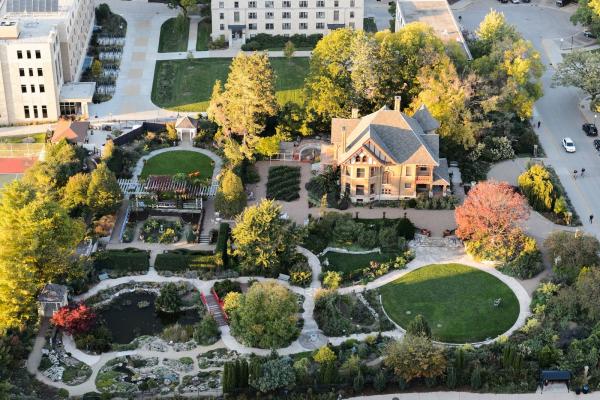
x=51, y=298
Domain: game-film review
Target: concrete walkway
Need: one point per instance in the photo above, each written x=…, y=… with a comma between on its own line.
x=193, y=34
x=476, y=396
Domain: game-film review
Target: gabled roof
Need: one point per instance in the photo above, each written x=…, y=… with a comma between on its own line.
x=73, y=131
x=52, y=293
x=399, y=136
x=425, y=119
x=187, y=123
x=440, y=173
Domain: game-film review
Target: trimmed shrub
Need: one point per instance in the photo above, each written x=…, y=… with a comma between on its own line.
x=127, y=260
x=222, y=244
x=226, y=286
x=264, y=41
x=301, y=273
x=183, y=260
x=405, y=228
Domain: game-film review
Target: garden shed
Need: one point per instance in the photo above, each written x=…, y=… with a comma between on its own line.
x=51, y=298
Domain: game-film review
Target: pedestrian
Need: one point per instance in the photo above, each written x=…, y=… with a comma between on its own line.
x=539, y=123
x=582, y=171
x=591, y=218
x=575, y=174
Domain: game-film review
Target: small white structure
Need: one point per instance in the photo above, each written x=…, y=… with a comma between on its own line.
x=186, y=126
x=52, y=298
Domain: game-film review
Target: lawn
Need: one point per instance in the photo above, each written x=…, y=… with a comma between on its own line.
x=37, y=138
x=173, y=38
x=347, y=263
x=203, y=37
x=186, y=85
x=456, y=300
x=174, y=162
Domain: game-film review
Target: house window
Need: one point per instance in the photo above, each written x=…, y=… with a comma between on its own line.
x=269, y=15
x=30, y=71
x=38, y=54
x=303, y=15
x=269, y=4
x=321, y=3
x=252, y=15
x=35, y=111
x=336, y=3
x=44, y=112
x=286, y=26
x=360, y=190
x=407, y=185
x=347, y=171
x=387, y=191
x=26, y=110
x=386, y=177
x=42, y=89
x=352, y=3
x=40, y=72
x=347, y=188
x=407, y=171
x=21, y=71
x=236, y=4
x=320, y=15
x=320, y=25
x=28, y=53
x=19, y=54
x=221, y=15
x=23, y=88
x=303, y=3
x=221, y=4
x=372, y=188
x=360, y=172
x=287, y=4
x=252, y=27
x=336, y=15
x=251, y=4
x=32, y=88
x=222, y=27
x=269, y=27
x=373, y=171
x=236, y=16
x=351, y=14
x=303, y=25
x=422, y=168
x=286, y=15
x=351, y=25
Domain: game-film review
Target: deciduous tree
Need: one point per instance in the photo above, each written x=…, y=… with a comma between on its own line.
x=415, y=357
x=582, y=70
x=231, y=198
x=74, y=319
x=104, y=194
x=74, y=196
x=569, y=252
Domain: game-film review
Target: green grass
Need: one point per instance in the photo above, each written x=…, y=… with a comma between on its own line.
x=347, y=263
x=174, y=162
x=172, y=37
x=456, y=300
x=203, y=37
x=37, y=137
x=186, y=85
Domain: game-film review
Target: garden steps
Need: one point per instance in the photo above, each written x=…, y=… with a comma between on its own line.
x=205, y=239
x=213, y=307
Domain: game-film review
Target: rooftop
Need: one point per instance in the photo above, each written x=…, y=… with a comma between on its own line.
x=78, y=91
x=52, y=293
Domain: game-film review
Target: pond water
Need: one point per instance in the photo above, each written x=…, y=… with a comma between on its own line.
x=127, y=320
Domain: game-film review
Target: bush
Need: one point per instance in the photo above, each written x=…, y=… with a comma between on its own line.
x=222, y=244
x=368, y=239
x=185, y=260
x=380, y=381
x=497, y=149
x=263, y=41
x=98, y=340
x=206, y=332
x=301, y=273
x=527, y=264
x=345, y=231
x=332, y=279
x=226, y=286
x=168, y=300
x=405, y=228
x=177, y=333
x=128, y=260
x=388, y=238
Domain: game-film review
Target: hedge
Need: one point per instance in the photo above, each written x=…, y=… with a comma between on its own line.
x=222, y=240
x=130, y=259
x=183, y=260
x=283, y=183
x=264, y=41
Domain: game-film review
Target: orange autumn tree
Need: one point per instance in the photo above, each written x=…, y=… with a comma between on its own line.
x=74, y=319
x=489, y=220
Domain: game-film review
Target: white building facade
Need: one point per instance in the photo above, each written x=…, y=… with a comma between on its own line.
x=43, y=45
x=242, y=19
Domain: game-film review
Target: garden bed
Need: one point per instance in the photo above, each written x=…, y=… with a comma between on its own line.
x=263, y=41
x=283, y=183
x=129, y=261
x=164, y=231
x=187, y=260
x=341, y=315
x=456, y=300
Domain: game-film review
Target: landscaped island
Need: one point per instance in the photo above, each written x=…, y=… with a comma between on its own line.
x=461, y=303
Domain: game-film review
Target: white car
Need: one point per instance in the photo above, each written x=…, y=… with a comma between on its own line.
x=569, y=145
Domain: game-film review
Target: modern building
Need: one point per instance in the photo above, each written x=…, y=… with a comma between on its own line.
x=242, y=19
x=387, y=155
x=43, y=44
x=435, y=13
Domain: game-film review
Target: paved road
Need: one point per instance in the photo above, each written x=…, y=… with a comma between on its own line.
x=544, y=24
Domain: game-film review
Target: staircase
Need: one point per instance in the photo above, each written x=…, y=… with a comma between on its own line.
x=205, y=239
x=213, y=307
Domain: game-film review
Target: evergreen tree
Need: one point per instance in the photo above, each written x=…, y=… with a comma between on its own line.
x=231, y=198
x=419, y=327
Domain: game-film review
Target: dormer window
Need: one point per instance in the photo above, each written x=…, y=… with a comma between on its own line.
x=364, y=159
x=357, y=158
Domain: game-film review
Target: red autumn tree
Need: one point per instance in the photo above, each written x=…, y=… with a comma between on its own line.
x=489, y=220
x=74, y=319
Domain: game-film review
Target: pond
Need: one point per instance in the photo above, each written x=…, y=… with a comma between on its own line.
x=128, y=317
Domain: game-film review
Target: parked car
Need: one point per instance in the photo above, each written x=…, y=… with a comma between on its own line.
x=568, y=145
x=515, y=1
x=590, y=129
x=589, y=34
x=597, y=144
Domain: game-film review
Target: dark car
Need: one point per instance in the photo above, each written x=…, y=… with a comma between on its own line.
x=590, y=129
x=597, y=144
x=589, y=34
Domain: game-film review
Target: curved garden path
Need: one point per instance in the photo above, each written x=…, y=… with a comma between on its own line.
x=310, y=336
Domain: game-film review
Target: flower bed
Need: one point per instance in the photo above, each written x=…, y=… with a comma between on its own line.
x=161, y=231
x=185, y=260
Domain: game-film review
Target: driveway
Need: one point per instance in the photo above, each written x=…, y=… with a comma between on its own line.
x=544, y=25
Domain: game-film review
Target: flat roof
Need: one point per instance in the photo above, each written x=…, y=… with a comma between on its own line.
x=78, y=91
x=435, y=13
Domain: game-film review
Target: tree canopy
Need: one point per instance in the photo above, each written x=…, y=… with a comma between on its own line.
x=582, y=70
x=104, y=194
x=415, y=357
x=231, y=198
x=569, y=252
x=266, y=316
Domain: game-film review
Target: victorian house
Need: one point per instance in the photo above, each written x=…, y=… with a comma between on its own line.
x=387, y=155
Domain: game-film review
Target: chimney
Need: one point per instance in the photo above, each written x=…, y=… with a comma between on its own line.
x=343, y=139
x=397, y=101
x=355, y=113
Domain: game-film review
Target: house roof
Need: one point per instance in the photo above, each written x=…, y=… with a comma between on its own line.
x=425, y=119
x=52, y=293
x=402, y=138
x=16, y=165
x=186, y=123
x=74, y=131
x=440, y=173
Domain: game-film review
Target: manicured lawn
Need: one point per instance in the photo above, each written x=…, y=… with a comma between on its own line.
x=203, y=35
x=346, y=263
x=174, y=162
x=456, y=300
x=186, y=85
x=172, y=37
